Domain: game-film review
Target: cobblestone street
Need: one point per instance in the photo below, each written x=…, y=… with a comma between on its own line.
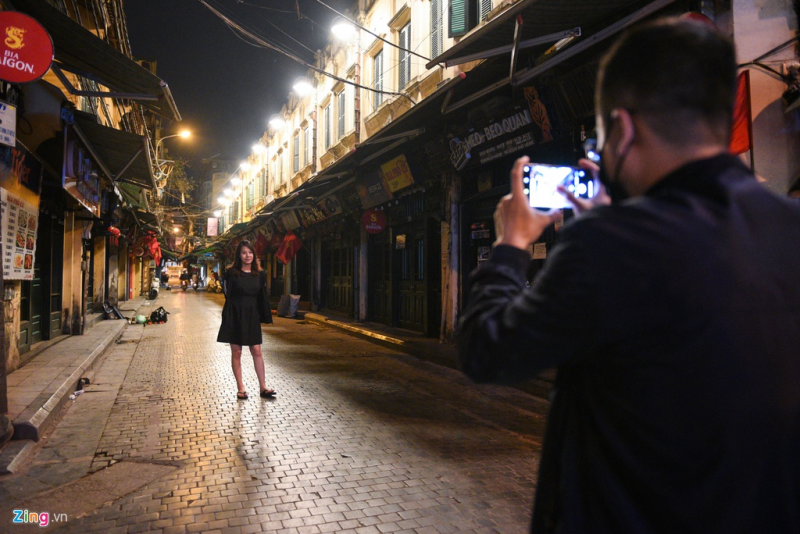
x=359, y=439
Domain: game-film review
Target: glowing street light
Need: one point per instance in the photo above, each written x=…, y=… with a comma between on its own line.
x=221, y=200
x=218, y=213
x=302, y=87
x=277, y=122
x=343, y=29
x=228, y=192
x=258, y=148
x=245, y=166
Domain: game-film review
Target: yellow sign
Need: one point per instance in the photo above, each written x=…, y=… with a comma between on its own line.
x=397, y=174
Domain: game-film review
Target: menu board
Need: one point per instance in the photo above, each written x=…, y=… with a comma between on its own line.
x=19, y=222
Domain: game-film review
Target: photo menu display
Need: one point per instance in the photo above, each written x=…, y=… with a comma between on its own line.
x=20, y=220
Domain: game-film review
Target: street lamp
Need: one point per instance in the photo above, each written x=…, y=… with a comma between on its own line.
x=343, y=29
x=258, y=148
x=302, y=87
x=164, y=170
x=277, y=122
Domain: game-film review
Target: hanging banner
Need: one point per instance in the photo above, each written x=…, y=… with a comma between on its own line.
x=290, y=220
x=20, y=220
x=212, y=227
x=26, y=50
x=397, y=174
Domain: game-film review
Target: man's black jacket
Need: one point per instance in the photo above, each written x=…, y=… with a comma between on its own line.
x=674, y=321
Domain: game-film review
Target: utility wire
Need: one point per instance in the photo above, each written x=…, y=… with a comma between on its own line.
x=264, y=7
x=283, y=32
x=356, y=24
x=230, y=22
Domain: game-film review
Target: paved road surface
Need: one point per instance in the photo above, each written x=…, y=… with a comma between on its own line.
x=359, y=439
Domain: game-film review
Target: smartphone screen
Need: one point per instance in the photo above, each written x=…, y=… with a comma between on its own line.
x=540, y=182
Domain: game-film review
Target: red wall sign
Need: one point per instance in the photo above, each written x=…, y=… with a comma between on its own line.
x=26, y=50
x=373, y=221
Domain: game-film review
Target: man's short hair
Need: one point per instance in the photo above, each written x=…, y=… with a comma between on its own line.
x=678, y=75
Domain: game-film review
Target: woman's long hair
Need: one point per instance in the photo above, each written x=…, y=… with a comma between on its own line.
x=255, y=267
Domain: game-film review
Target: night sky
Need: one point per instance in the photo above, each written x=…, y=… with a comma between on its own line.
x=225, y=88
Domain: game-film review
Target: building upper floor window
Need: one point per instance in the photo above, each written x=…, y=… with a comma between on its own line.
x=296, y=152
x=251, y=195
x=466, y=14
x=307, y=145
x=377, y=77
x=437, y=17
x=405, y=56
x=327, y=126
x=341, y=110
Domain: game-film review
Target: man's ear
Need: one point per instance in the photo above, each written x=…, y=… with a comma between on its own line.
x=627, y=129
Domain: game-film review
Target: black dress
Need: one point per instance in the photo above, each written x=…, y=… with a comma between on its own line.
x=246, y=306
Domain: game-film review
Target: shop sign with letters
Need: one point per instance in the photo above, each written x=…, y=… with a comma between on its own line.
x=397, y=174
x=374, y=221
x=26, y=50
x=8, y=124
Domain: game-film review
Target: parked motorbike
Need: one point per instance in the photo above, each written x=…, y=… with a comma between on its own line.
x=153, y=293
x=214, y=286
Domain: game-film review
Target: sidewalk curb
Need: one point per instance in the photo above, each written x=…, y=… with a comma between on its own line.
x=322, y=320
x=36, y=419
x=14, y=454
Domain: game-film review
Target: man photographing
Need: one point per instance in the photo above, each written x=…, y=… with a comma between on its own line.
x=672, y=314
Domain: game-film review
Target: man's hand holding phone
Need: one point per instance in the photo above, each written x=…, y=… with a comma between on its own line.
x=516, y=223
x=581, y=205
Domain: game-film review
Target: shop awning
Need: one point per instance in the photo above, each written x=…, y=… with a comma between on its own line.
x=132, y=196
x=81, y=52
x=574, y=24
x=145, y=219
x=169, y=254
x=121, y=155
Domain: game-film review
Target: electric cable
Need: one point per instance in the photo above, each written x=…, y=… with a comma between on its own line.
x=356, y=24
x=231, y=23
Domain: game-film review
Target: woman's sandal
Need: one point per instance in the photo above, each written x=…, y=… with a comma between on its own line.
x=268, y=394
x=241, y=395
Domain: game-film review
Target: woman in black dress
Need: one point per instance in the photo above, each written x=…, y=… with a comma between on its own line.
x=246, y=307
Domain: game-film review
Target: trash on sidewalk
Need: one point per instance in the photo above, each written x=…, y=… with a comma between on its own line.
x=112, y=312
x=159, y=315
x=287, y=307
x=76, y=394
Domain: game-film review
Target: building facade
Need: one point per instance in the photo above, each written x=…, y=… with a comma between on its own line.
x=388, y=167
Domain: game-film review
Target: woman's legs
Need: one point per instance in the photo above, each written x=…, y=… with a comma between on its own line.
x=236, y=363
x=258, y=361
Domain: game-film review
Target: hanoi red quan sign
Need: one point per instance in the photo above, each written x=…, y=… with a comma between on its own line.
x=374, y=221
x=26, y=50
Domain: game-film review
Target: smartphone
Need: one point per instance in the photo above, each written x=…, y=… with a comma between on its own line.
x=540, y=182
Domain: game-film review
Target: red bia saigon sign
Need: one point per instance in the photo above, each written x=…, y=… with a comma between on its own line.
x=374, y=221
x=26, y=50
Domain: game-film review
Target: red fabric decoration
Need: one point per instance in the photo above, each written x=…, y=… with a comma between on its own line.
x=114, y=237
x=150, y=243
x=289, y=247
x=741, y=137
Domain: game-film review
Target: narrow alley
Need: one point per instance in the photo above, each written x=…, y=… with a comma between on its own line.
x=359, y=439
